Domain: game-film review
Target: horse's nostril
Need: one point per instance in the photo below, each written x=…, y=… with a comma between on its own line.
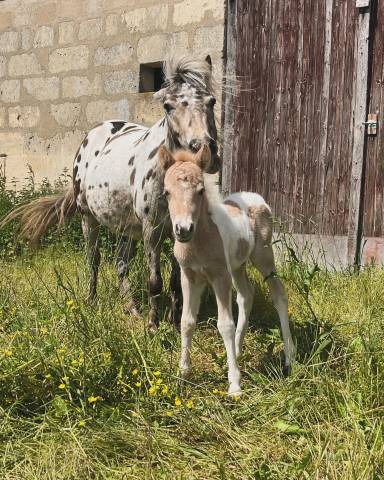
x=190, y=229
x=177, y=229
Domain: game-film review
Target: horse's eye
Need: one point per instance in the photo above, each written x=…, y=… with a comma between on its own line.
x=185, y=104
x=166, y=193
x=201, y=191
x=168, y=107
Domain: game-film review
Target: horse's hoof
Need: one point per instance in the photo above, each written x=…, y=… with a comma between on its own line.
x=131, y=309
x=152, y=328
x=287, y=370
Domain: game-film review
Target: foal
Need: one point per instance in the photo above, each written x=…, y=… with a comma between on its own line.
x=214, y=240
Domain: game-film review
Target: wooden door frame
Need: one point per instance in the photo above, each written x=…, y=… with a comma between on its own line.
x=355, y=217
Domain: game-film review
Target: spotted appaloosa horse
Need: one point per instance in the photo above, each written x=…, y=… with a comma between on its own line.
x=117, y=183
x=214, y=240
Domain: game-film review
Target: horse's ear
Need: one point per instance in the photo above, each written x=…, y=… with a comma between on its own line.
x=208, y=59
x=166, y=159
x=203, y=158
x=160, y=95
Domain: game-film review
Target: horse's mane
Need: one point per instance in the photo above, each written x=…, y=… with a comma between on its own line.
x=191, y=70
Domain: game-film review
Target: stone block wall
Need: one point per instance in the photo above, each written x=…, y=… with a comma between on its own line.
x=66, y=65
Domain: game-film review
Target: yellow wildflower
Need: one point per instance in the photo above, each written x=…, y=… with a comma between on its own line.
x=135, y=372
x=159, y=381
x=178, y=401
x=71, y=304
x=215, y=391
x=189, y=404
x=65, y=379
x=165, y=390
x=82, y=423
x=93, y=399
x=138, y=384
x=169, y=413
x=236, y=398
x=157, y=373
x=48, y=376
x=153, y=390
x=44, y=330
x=8, y=353
x=62, y=386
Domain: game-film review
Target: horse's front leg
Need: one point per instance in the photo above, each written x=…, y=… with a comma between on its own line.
x=192, y=287
x=222, y=286
x=176, y=296
x=153, y=241
x=126, y=250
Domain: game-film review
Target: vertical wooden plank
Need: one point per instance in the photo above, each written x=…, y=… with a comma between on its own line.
x=359, y=138
x=229, y=94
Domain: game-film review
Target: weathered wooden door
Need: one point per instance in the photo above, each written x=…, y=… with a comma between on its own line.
x=294, y=119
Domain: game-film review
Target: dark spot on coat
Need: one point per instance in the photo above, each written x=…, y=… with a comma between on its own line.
x=135, y=198
x=106, y=153
x=115, y=193
x=85, y=142
x=146, y=135
x=100, y=185
x=117, y=126
x=145, y=197
x=78, y=158
x=89, y=188
x=97, y=152
x=143, y=183
x=153, y=153
x=146, y=210
x=154, y=174
x=162, y=122
x=130, y=127
x=105, y=184
x=149, y=174
x=132, y=177
x=86, y=165
x=131, y=160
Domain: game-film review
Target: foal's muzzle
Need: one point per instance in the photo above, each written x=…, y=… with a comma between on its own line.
x=183, y=233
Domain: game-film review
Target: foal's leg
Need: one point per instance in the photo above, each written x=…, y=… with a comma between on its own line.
x=192, y=287
x=245, y=293
x=263, y=259
x=91, y=235
x=222, y=285
x=153, y=241
x=126, y=250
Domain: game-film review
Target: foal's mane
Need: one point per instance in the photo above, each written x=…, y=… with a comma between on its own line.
x=188, y=69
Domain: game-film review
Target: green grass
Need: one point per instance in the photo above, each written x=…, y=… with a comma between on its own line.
x=75, y=381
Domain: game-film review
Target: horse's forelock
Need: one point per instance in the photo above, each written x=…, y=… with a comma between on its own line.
x=190, y=70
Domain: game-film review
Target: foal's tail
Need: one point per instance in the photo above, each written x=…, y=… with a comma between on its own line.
x=40, y=214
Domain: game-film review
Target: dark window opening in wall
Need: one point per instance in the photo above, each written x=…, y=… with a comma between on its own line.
x=151, y=77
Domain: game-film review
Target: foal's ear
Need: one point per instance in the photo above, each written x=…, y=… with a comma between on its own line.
x=160, y=94
x=203, y=158
x=208, y=59
x=166, y=159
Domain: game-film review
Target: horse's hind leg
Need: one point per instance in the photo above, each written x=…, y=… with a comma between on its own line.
x=91, y=235
x=263, y=259
x=244, y=299
x=126, y=250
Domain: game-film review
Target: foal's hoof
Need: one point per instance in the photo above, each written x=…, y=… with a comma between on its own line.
x=235, y=394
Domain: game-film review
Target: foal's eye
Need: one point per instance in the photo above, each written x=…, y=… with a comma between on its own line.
x=166, y=193
x=168, y=107
x=200, y=192
x=185, y=104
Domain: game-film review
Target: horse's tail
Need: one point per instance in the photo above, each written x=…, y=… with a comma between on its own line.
x=40, y=214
